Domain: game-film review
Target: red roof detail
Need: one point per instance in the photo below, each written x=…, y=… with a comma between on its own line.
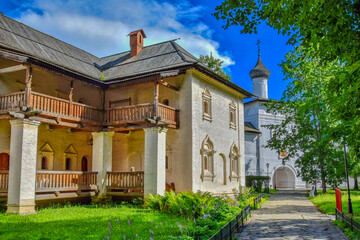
x=135, y=32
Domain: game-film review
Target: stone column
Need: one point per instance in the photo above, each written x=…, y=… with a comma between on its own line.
x=102, y=157
x=22, y=172
x=155, y=154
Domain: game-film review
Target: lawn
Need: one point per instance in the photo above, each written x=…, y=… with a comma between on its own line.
x=90, y=222
x=326, y=203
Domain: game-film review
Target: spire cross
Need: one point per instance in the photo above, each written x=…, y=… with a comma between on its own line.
x=258, y=43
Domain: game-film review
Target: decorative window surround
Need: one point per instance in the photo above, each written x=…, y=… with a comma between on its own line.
x=70, y=153
x=234, y=163
x=232, y=115
x=206, y=103
x=207, y=160
x=47, y=152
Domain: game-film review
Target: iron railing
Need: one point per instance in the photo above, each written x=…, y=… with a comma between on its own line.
x=257, y=200
x=348, y=219
x=233, y=226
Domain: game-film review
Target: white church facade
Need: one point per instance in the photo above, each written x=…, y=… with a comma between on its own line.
x=258, y=159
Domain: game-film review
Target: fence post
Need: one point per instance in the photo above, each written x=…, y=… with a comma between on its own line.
x=230, y=230
x=351, y=224
x=221, y=236
x=237, y=222
x=254, y=203
x=336, y=214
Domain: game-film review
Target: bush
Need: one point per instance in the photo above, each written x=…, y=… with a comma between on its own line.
x=256, y=182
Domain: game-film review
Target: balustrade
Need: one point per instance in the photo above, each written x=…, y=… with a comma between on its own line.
x=12, y=101
x=125, y=180
x=4, y=181
x=61, y=180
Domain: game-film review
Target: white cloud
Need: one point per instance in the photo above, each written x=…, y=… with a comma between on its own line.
x=101, y=28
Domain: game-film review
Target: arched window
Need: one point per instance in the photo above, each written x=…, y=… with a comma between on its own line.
x=44, y=163
x=68, y=164
x=234, y=162
x=166, y=102
x=84, y=164
x=207, y=160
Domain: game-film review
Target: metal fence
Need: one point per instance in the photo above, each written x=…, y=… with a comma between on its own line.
x=348, y=219
x=233, y=226
x=257, y=200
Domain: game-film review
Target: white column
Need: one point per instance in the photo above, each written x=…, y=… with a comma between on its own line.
x=102, y=157
x=22, y=172
x=155, y=154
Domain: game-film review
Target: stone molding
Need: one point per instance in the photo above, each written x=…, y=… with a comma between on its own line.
x=110, y=134
x=24, y=121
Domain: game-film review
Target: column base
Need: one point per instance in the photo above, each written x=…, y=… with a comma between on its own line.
x=21, y=210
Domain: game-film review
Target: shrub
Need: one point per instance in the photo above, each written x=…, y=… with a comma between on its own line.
x=256, y=182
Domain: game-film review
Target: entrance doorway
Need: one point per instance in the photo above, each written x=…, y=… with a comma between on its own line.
x=84, y=164
x=4, y=161
x=284, y=178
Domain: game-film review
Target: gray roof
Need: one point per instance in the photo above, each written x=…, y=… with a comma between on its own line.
x=22, y=39
x=249, y=127
x=259, y=70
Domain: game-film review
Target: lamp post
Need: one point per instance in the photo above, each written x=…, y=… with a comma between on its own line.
x=274, y=179
x=350, y=211
x=268, y=186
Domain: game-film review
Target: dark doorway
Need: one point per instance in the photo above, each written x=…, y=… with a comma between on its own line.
x=4, y=161
x=84, y=164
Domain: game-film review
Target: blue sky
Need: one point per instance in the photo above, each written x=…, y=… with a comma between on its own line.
x=100, y=27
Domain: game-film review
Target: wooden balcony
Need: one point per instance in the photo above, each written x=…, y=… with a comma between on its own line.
x=57, y=109
x=125, y=183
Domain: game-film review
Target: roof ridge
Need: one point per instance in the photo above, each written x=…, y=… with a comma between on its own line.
x=178, y=51
x=143, y=48
x=46, y=35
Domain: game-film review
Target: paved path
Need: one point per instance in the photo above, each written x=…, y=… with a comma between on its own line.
x=290, y=215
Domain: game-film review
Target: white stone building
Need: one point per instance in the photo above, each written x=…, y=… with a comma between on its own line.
x=258, y=159
x=151, y=119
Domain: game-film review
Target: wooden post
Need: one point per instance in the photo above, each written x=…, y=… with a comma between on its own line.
x=156, y=99
x=71, y=99
x=28, y=81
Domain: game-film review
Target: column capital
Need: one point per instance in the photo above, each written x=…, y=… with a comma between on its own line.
x=26, y=121
x=156, y=129
x=110, y=134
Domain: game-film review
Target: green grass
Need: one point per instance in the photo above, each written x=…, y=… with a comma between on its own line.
x=89, y=222
x=327, y=204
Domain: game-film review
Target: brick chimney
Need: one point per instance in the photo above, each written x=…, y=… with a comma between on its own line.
x=136, y=41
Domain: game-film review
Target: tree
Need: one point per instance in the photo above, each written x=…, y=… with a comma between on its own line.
x=331, y=27
x=306, y=131
x=215, y=65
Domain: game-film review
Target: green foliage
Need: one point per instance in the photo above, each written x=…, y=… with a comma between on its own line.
x=256, y=182
x=328, y=31
x=215, y=65
x=307, y=131
x=208, y=213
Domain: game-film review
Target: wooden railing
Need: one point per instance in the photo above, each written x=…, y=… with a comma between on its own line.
x=64, y=180
x=126, y=180
x=140, y=113
x=129, y=113
x=168, y=114
x=58, y=106
x=4, y=181
x=12, y=101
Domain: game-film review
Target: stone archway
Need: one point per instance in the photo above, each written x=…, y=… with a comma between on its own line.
x=284, y=177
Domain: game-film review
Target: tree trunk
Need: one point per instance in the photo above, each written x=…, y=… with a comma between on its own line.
x=356, y=184
x=323, y=181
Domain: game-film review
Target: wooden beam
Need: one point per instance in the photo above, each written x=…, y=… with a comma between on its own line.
x=13, y=69
x=54, y=122
x=14, y=57
x=28, y=81
x=128, y=128
x=156, y=99
x=168, y=85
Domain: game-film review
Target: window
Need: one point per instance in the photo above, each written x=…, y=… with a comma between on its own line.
x=234, y=162
x=44, y=163
x=207, y=160
x=206, y=98
x=68, y=164
x=232, y=115
x=166, y=162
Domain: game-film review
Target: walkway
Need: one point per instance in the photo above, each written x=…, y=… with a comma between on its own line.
x=290, y=215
